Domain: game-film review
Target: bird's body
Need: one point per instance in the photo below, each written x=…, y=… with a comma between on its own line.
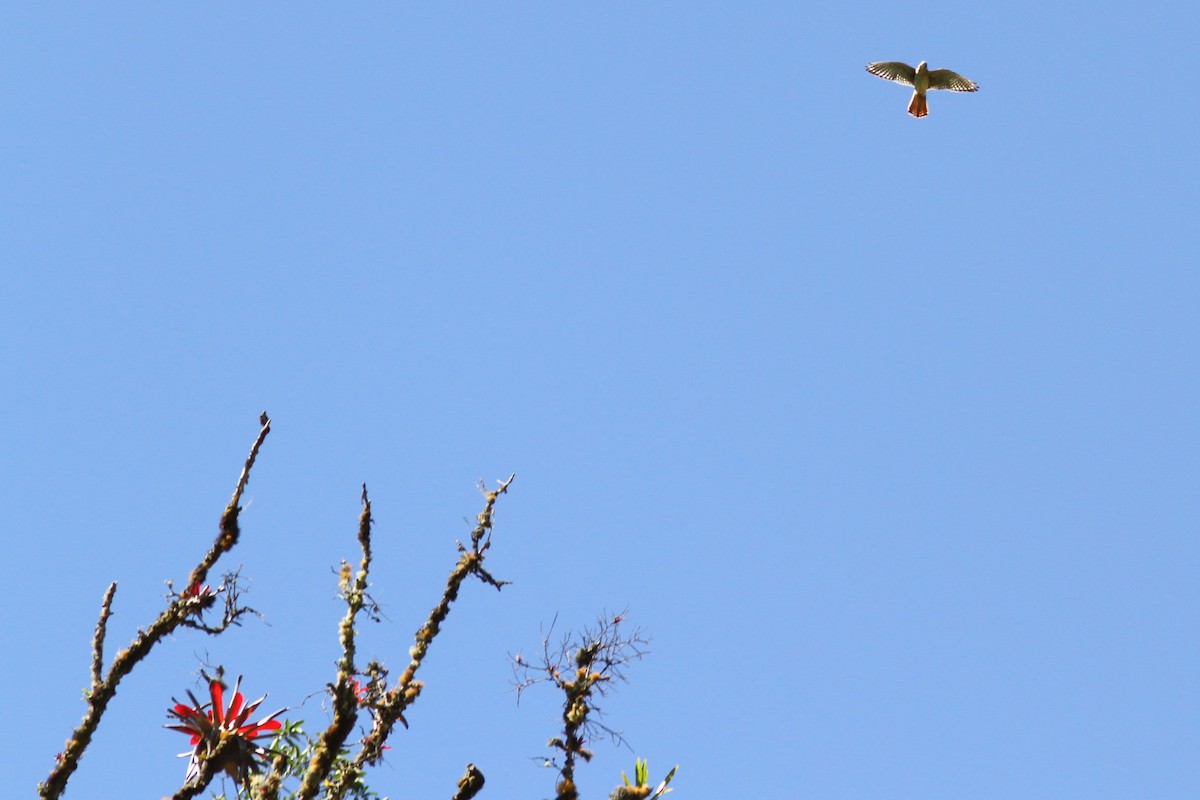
x=922, y=79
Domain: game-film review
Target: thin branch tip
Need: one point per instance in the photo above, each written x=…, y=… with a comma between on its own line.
x=98, y=638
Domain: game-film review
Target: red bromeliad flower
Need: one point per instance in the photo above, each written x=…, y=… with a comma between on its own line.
x=195, y=589
x=202, y=596
x=212, y=723
x=360, y=691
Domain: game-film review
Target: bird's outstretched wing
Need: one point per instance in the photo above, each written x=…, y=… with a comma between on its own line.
x=945, y=79
x=898, y=71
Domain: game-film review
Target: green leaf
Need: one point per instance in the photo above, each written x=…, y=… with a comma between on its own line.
x=662, y=789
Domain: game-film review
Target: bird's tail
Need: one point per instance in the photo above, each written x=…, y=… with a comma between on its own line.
x=918, y=106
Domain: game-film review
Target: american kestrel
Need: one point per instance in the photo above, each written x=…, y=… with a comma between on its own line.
x=921, y=79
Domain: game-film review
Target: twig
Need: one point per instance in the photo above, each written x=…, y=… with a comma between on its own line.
x=98, y=639
x=229, y=532
x=201, y=598
x=345, y=701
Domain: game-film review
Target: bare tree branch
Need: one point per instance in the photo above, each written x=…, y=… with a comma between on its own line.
x=229, y=532
x=98, y=639
x=390, y=708
x=345, y=698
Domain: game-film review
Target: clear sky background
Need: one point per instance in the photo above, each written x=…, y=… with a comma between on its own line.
x=884, y=428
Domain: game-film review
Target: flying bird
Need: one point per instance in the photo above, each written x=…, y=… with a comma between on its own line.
x=921, y=79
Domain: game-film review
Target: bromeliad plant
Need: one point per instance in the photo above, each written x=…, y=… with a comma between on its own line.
x=640, y=788
x=222, y=734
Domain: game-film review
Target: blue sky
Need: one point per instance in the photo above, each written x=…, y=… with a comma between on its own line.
x=884, y=428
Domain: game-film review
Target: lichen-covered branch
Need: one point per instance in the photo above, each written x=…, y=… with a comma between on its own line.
x=229, y=532
x=469, y=784
x=98, y=638
x=389, y=709
x=345, y=699
x=180, y=608
x=269, y=788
